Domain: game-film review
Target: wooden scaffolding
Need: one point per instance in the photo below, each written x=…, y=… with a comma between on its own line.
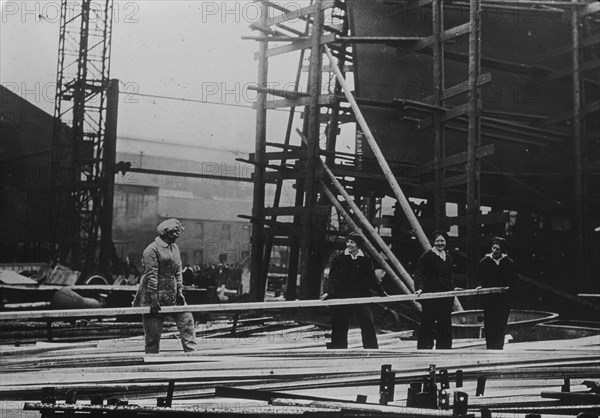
x=325, y=178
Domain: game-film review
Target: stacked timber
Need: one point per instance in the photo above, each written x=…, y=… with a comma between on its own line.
x=281, y=367
x=264, y=366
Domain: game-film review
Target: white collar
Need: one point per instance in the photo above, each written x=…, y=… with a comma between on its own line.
x=494, y=260
x=441, y=254
x=358, y=254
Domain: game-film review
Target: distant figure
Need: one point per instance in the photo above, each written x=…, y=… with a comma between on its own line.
x=162, y=285
x=188, y=275
x=496, y=269
x=434, y=274
x=352, y=276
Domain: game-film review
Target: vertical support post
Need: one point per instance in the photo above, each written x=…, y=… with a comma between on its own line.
x=480, y=390
x=566, y=386
x=332, y=129
x=444, y=381
x=307, y=262
x=459, y=378
x=387, y=382
x=108, y=176
x=290, y=292
x=474, y=139
x=257, y=273
x=578, y=176
x=439, y=198
x=461, y=404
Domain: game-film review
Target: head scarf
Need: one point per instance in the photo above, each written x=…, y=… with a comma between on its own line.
x=170, y=226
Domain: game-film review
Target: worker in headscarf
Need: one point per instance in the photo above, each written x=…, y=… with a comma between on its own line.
x=162, y=285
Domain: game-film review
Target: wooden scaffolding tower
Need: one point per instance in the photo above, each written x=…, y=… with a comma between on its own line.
x=326, y=179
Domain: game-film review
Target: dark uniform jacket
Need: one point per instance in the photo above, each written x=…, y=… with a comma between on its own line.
x=434, y=274
x=352, y=278
x=492, y=274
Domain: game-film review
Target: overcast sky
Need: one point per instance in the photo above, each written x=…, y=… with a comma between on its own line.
x=183, y=49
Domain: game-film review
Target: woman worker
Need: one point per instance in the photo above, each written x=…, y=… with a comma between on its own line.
x=162, y=285
x=434, y=274
x=496, y=269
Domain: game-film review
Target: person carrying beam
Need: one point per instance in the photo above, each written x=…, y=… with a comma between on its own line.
x=352, y=276
x=162, y=285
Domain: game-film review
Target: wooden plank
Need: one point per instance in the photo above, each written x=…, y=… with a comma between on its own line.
x=294, y=211
x=568, y=296
x=459, y=88
x=460, y=158
x=348, y=68
x=508, y=66
x=275, y=38
x=507, y=138
x=490, y=218
x=563, y=116
x=241, y=307
x=591, y=64
x=567, y=49
x=445, y=36
x=390, y=40
x=366, y=409
x=26, y=305
x=447, y=115
x=324, y=99
x=288, y=94
x=446, y=183
x=304, y=44
x=282, y=155
x=274, y=226
x=44, y=287
x=297, y=14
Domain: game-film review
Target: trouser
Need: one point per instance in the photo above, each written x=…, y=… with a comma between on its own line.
x=496, y=310
x=436, y=321
x=153, y=324
x=340, y=321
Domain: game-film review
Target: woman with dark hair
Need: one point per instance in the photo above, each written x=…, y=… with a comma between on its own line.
x=496, y=269
x=351, y=276
x=434, y=274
